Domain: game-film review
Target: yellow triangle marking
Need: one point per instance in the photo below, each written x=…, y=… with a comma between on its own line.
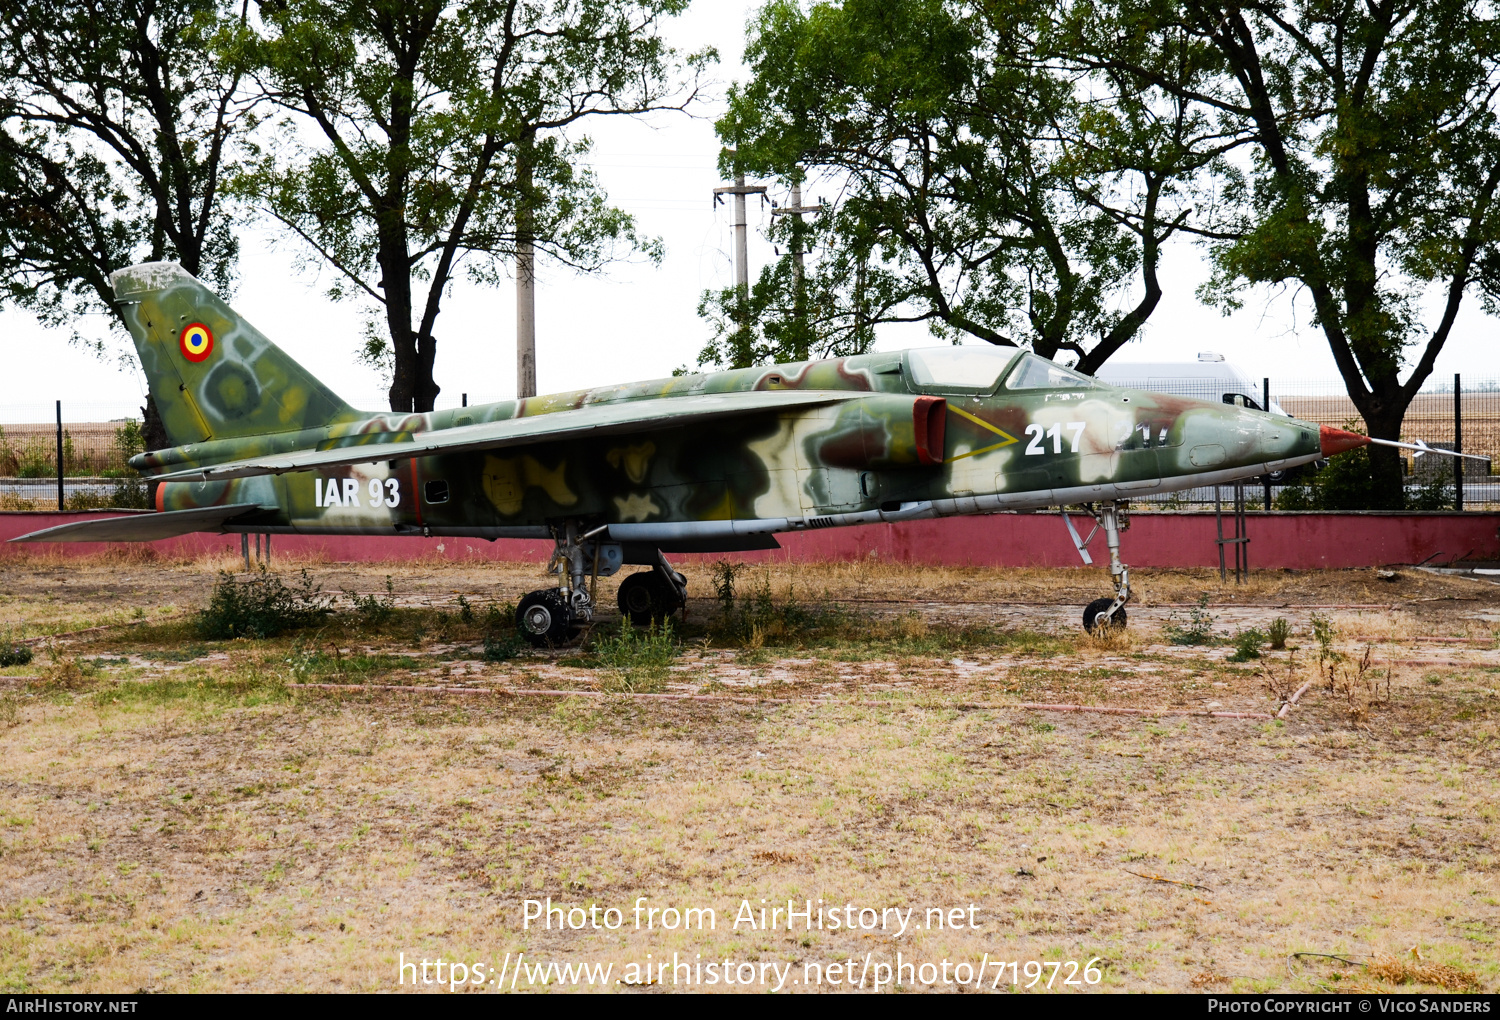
x=1007, y=437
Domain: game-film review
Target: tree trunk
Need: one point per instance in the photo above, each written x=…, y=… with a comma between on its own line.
x=405, y=368
x=425, y=391
x=1387, y=483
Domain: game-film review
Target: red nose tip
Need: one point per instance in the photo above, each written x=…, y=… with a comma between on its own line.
x=1337, y=440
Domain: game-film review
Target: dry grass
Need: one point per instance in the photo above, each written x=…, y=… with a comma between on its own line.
x=179, y=818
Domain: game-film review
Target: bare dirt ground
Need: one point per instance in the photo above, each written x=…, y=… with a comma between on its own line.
x=183, y=814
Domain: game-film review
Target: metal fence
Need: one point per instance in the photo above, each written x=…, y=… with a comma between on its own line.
x=1435, y=417
x=97, y=441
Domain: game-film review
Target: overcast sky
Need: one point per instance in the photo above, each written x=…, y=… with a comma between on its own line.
x=636, y=321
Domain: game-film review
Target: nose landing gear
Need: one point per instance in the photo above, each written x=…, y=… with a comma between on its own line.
x=1111, y=517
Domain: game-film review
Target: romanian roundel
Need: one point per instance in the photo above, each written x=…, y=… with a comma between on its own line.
x=197, y=342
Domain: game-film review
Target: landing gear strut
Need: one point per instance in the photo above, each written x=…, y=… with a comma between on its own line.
x=550, y=617
x=1111, y=517
x=547, y=618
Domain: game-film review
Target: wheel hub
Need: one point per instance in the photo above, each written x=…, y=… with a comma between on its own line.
x=538, y=619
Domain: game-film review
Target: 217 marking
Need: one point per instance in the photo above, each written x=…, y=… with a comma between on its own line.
x=1037, y=431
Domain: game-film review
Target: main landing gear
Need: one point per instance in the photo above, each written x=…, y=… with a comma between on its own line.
x=552, y=616
x=652, y=595
x=1105, y=613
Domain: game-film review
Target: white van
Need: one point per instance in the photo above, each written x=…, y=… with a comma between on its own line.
x=1208, y=378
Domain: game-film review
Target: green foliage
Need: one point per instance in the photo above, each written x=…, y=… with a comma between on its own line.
x=501, y=639
x=1247, y=645
x=1278, y=632
x=722, y=579
x=759, y=616
x=1368, y=179
x=638, y=657
x=1325, y=633
x=503, y=647
x=116, y=129
x=31, y=458
x=260, y=607
x=13, y=653
x=130, y=439
x=992, y=182
x=372, y=610
x=1345, y=483
x=1349, y=482
x=1198, y=629
x=782, y=321
x=1436, y=494
x=434, y=135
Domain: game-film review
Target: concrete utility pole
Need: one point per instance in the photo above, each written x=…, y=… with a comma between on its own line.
x=741, y=240
x=797, y=209
x=525, y=280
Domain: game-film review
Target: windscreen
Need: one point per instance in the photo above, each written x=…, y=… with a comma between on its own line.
x=958, y=368
x=1037, y=373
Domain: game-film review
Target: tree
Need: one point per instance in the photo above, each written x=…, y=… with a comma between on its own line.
x=116, y=130
x=1372, y=187
x=415, y=112
x=989, y=186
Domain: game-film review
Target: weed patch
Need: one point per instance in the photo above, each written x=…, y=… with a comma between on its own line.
x=1247, y=645
x=373, y=610
x=1416, y=972
x=637, y=659
x=1198, y=629
x=1358, y=686
x=12, y=654
x=261, y=607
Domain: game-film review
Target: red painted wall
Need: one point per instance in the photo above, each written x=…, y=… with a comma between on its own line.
x=1281, y=540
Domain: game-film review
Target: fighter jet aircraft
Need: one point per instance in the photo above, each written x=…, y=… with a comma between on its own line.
x=624, y=475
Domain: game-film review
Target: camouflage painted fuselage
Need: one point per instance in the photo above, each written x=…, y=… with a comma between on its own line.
x=903, y=435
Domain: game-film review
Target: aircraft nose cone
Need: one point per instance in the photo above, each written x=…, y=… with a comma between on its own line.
x=1333, y=440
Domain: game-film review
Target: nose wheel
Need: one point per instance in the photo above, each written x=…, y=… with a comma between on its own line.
x=1097, y=616
x=1105, y=613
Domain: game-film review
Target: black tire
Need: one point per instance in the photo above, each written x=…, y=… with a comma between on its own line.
x=637, y=598
x=645, y=598
x=1094, y=609
x=544, y=618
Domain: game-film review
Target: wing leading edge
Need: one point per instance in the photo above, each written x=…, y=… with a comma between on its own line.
x=594, y=420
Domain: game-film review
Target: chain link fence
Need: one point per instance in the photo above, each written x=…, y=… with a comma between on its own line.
x=1435, y=417
x=98, y=440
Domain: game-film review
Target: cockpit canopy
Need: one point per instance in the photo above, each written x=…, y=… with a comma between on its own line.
x=979, y=370
x=1037, y=373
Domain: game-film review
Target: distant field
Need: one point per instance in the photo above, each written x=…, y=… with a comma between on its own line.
x=185, y=813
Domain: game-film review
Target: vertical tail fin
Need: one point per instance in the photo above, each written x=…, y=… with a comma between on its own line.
x=212, y=374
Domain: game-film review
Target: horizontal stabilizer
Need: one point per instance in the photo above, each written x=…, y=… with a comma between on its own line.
x=584, y=422
x=145, y=527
